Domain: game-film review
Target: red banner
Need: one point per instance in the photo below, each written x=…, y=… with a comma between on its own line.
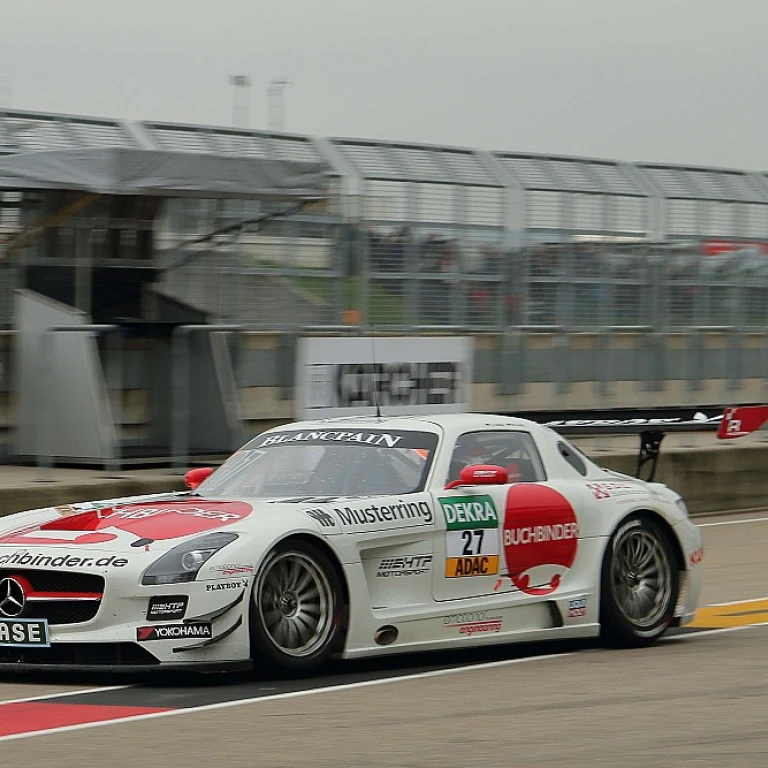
x=717, y=247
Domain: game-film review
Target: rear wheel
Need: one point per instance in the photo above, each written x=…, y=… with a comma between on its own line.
x=639, y=584
x=296, y=610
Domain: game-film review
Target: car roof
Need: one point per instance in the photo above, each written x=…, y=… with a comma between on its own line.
x=448, y=422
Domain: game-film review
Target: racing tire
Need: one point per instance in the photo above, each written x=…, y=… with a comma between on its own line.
x=639, y=584
x=296, y=616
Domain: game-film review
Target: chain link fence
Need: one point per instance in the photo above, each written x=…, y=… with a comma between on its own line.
x=418, y=236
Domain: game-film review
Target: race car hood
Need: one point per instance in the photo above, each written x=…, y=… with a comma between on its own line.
x=161, y=523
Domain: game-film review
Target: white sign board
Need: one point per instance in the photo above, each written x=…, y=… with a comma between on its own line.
x=343, y=376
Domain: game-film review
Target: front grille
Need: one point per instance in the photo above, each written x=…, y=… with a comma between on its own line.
x=58, y=581
x=63, y=611
x=60, y=611
x=96, y=654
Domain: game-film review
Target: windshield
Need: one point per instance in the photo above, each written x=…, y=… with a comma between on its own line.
x=325, y=463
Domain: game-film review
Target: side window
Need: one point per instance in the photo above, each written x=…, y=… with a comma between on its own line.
x=514, y=451
x=569, y=453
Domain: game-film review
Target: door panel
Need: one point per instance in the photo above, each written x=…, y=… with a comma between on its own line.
x=520, y=539
x=468, y=541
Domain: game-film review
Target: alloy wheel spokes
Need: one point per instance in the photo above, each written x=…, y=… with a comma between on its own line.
x=641, y=577
x=296, y=603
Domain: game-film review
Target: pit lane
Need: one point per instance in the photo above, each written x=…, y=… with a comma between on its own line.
x=699, y=692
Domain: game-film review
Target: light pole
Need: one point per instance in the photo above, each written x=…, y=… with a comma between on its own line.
x=276, y=104
x=242, y=84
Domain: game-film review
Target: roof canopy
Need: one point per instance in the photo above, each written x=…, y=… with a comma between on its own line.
x=122, y=171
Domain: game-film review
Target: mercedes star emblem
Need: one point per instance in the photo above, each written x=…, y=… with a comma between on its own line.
x=12, y=598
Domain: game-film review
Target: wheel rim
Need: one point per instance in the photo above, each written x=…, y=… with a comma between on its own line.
x=295, y=602
x=641, y=577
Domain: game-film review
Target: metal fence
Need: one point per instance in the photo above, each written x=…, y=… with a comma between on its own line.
x=420, y=235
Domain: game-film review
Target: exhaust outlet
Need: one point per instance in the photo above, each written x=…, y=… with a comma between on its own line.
x=385, y=635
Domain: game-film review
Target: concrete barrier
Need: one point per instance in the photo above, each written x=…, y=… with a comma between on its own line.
x=20, y=489
x=716, y=479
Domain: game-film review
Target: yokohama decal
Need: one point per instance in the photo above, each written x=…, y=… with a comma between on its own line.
x=540, y=538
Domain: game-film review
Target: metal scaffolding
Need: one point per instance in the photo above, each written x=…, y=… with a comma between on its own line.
x=418, y=235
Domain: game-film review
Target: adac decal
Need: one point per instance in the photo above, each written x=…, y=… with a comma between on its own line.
x=471, y=565
x=471, y=537
x=150, y=520
x=540, y=537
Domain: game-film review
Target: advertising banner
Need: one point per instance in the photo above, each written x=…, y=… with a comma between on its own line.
x=346, y=376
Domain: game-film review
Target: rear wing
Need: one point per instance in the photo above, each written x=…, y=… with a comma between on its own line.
x=651, y=433
x=742, y=420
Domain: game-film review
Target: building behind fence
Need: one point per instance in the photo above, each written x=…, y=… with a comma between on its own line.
x=415, y=236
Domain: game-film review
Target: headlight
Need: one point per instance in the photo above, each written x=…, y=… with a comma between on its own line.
x=183, y=562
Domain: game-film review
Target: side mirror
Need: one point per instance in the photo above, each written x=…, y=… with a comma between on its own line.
x=480, y=474
x=194, y=477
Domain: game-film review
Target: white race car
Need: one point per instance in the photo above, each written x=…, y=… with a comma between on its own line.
x=351, y=537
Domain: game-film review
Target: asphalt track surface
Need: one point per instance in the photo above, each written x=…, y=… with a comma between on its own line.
x=699, y=697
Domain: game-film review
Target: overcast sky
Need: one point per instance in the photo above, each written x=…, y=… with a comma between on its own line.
x=679, y=81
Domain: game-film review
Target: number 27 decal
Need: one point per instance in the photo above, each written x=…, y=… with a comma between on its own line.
x=473, y=542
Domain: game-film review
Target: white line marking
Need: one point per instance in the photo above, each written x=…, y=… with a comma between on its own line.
x=287, y=695
x=349, y=686
x=734, y=602
x=722, y=630
x=331, y=688
x=741, y=521
x=64, y=694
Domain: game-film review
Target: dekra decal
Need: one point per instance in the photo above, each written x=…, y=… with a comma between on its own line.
x=466, y=512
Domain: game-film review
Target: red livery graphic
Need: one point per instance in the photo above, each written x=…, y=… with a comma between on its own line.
x=741, y=421
x=540, y=538
x=151, y=520
x=696, y=556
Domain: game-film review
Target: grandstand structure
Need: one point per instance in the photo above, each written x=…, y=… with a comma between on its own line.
x=419, y=236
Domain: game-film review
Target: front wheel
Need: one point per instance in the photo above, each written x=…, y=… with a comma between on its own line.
x=296, y=610
x=639, y=584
